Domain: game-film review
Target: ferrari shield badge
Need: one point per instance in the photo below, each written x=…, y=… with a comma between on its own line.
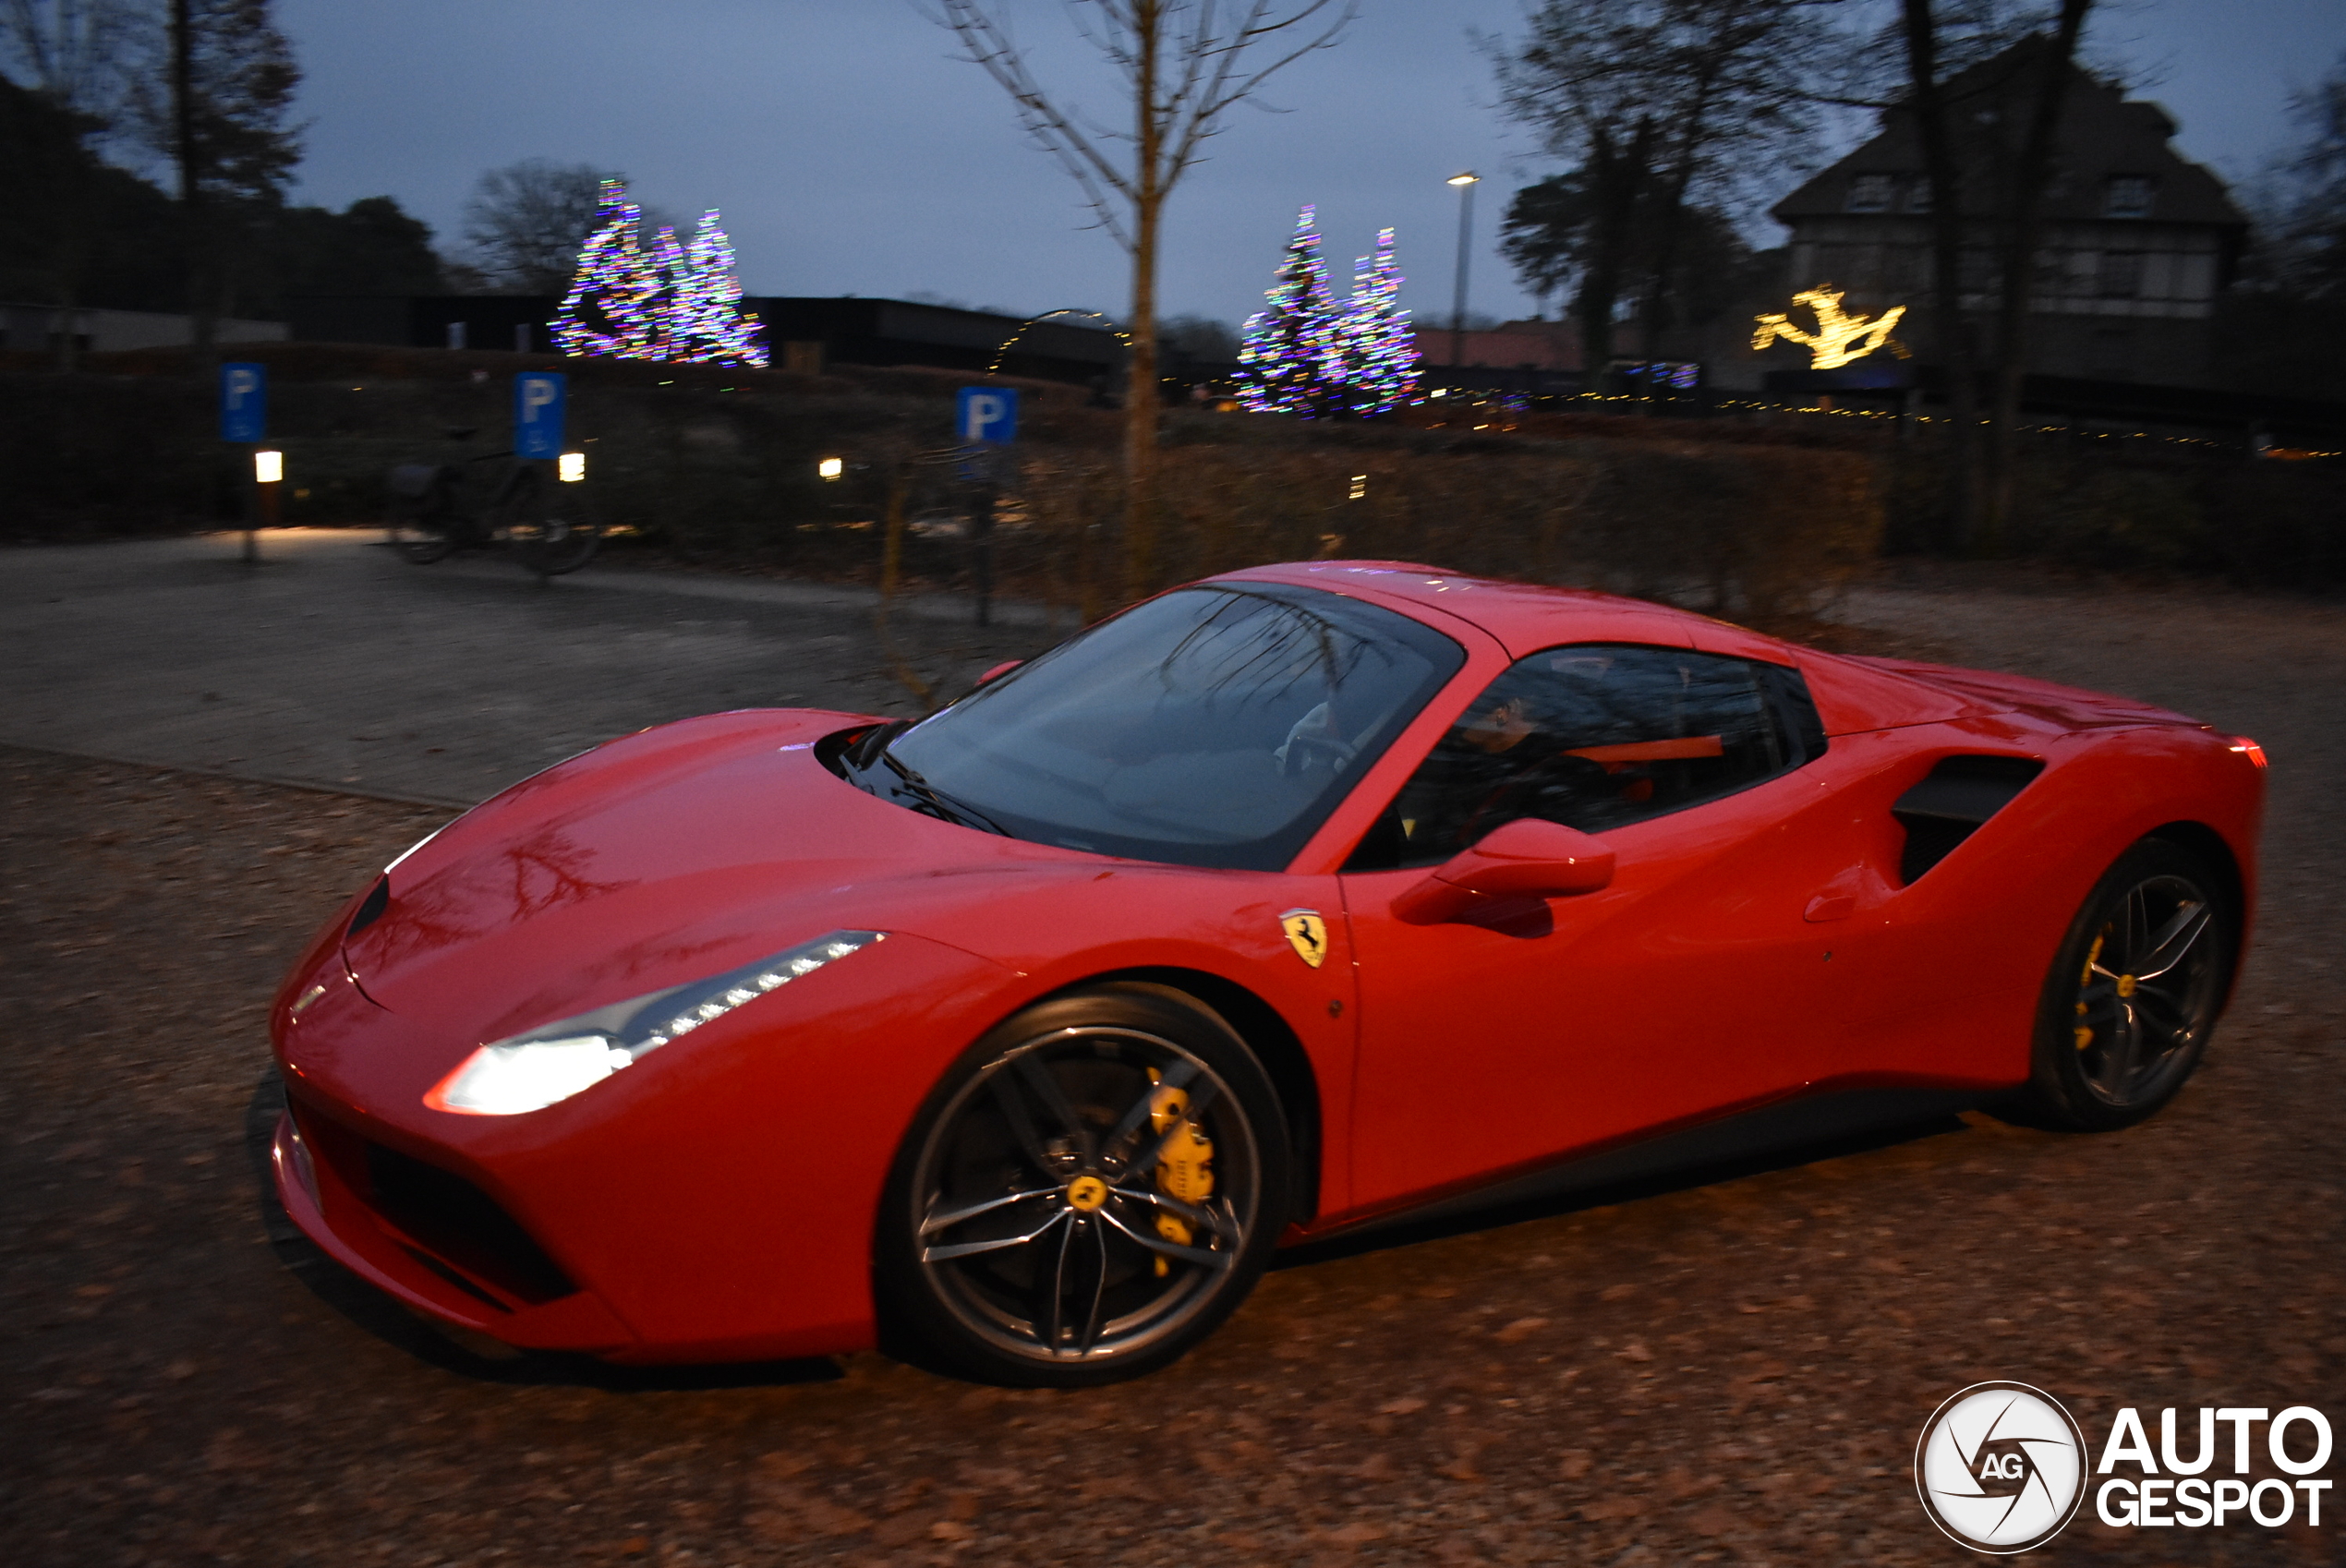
x=1307, y=933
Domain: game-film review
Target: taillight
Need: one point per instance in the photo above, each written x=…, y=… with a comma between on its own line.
x=2249, y=749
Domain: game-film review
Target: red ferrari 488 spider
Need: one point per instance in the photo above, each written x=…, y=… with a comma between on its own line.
x=1017, y=1039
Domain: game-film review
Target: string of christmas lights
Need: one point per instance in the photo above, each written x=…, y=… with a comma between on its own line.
x=665, y=302
x=1012, y=342
x=1309, y=355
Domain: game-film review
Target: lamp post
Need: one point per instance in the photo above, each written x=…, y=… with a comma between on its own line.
x=1466, y=183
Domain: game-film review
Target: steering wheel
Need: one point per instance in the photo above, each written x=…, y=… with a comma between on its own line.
x=1301, y=748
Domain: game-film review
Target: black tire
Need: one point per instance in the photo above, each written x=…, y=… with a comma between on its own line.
x=421, y=529
x=551, y=525
x=2133, y=994
x=1095, y=1239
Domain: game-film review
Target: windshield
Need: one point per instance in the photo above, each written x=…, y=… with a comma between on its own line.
x=1213, y=726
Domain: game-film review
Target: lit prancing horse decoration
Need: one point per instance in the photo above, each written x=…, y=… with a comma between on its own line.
x=1838, y=338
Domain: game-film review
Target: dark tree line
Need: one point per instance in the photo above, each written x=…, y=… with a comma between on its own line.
x=1562, y=242
x=207, y=88
x=82, y=231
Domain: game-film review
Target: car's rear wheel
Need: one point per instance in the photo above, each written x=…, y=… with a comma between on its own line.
x=2135, y=992
x=1090, y=1191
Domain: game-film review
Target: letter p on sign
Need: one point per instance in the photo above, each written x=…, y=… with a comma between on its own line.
x=989, y=416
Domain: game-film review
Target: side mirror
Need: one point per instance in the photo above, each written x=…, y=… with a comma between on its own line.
x=1523, y=859
x=997, y=672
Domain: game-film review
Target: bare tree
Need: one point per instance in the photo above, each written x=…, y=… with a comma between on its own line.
x=79, y=54
x=2031, y=173
x=526, y=222
x=2301, y=204
x=1183, y=64
x=1660, y=107
x=1984, y=91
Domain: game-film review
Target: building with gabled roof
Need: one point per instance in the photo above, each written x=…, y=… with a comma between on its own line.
x=2136, y=241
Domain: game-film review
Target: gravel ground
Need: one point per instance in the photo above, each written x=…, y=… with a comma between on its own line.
x=1728, y=1369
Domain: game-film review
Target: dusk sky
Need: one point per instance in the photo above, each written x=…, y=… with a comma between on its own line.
x=850, y=153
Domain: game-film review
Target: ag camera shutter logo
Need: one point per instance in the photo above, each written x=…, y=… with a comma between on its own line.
x=2000, y=1467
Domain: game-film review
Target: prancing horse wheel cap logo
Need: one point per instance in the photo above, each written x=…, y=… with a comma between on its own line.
x=2000, y=1467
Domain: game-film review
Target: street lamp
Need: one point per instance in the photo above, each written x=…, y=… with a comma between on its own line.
x=1466, y=183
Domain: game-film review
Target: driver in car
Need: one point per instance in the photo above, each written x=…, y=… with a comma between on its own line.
x=1496, y=764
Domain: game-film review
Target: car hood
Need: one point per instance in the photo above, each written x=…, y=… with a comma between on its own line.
x=661, y=859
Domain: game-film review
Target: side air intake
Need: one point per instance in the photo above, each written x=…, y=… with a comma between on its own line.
x=1952, y=802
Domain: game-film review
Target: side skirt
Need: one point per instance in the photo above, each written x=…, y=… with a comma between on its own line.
x=1816, y=1126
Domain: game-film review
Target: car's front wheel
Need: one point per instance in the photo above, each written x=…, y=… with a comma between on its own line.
x=2135, y=992
x=1090, y=1191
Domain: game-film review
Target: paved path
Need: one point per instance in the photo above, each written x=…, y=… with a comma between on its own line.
x=335, y=663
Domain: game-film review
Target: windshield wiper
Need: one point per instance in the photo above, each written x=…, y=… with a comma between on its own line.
x=938, y=803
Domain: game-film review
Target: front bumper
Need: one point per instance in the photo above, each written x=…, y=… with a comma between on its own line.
x=713, y=1202
x=419, y=1264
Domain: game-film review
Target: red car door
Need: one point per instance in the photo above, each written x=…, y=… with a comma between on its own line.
x=1696, y=981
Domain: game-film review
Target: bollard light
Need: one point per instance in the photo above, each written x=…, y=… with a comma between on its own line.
x=831, y=467
x=268, y=467
x=570, y=467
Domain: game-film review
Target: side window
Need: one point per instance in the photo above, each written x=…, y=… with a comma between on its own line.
x=1594, y=736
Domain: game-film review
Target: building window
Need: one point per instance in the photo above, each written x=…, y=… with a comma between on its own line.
x=1870, y=193
x=2128, y=196
x=2121, y=276
x=1917, y=192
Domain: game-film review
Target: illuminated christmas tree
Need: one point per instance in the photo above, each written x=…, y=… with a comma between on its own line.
x=1379, y=358
x=706, y=320
x=667, y=301
x=1291, y=358
x=1309, y=355
x=615, y=307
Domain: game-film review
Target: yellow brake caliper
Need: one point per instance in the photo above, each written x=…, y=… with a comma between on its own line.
x=1184, y=1163
x=2085, y=1035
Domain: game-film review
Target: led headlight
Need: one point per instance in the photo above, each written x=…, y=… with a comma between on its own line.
x=532, y=1070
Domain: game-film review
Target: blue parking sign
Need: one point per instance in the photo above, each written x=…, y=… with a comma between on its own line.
x=538, y=413
x=987, y=416
x=244, y=401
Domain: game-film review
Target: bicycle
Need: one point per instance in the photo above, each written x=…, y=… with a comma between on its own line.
x=549, y=526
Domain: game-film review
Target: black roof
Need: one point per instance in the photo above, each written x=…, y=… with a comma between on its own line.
x=2102, y=134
